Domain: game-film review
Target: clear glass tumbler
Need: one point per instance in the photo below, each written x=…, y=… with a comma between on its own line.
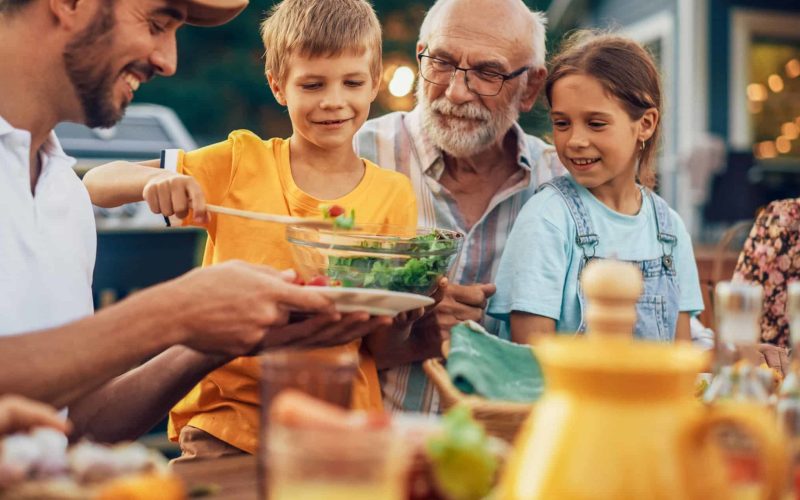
x=326, y=374
x=332, y=464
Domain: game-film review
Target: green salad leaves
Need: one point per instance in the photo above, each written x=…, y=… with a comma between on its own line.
x=397, y=273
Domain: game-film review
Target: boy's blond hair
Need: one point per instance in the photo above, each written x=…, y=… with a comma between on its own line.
x=320, y=28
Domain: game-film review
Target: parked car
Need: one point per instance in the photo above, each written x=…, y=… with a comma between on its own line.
x=134, y=248
x=144, y=131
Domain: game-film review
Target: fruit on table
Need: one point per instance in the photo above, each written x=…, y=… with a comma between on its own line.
x=143, y=487
x=40, y=465
x=297, y=409
x=464, y=466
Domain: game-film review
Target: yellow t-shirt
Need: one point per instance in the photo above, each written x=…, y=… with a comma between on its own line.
x=249, y=173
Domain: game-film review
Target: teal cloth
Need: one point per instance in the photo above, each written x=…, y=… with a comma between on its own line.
x=485, y=365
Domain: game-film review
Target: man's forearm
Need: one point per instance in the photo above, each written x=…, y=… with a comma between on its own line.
x=133, y=403
x=60, y=364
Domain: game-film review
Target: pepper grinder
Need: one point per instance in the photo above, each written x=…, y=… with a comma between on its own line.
x=612, y=289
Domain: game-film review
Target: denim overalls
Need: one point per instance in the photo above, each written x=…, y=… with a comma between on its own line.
x=657, y=309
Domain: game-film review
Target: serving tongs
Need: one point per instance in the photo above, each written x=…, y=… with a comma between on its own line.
x=279, y=219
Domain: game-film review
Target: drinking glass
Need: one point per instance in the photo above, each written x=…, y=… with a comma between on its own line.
x=336, y=464
x=326, y=374
x=738, y=308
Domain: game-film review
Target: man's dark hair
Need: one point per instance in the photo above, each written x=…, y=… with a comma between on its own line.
x=12, y=5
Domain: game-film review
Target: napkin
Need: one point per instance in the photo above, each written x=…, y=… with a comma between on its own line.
x=485, y=365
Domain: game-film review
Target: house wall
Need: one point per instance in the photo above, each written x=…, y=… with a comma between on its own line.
x=625, y=12
x=719, y=51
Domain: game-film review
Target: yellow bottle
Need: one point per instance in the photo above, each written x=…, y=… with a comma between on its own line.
x=618, y=419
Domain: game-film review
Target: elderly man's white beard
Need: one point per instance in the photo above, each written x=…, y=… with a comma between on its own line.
x=470, y=128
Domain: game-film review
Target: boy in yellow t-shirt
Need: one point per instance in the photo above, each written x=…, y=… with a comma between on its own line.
x=323, y=63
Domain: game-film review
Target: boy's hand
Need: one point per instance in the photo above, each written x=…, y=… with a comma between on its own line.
x=170, y=193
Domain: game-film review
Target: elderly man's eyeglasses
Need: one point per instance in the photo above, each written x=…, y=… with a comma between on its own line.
x=483, y=82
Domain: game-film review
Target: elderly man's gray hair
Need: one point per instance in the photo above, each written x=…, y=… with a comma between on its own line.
x=538, y=23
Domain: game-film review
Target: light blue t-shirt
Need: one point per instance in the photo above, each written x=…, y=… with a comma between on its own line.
x=538, y=271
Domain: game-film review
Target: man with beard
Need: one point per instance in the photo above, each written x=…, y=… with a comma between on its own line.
x=481, y=63
x=82, y=61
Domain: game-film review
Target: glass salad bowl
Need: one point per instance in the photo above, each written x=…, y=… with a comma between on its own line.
x=374, y=256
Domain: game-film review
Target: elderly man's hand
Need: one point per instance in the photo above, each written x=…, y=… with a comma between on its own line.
x=458, y=303
x=227, y=308
x=21, y=414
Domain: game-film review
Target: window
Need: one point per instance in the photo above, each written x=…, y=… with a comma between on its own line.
x=765, y=84
x=773, y=98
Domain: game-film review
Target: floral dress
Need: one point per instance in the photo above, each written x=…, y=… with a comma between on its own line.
x=771, y=257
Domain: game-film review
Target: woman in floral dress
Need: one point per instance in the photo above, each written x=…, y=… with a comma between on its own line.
x=771, y=257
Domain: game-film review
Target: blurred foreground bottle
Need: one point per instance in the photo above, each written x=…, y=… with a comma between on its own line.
x=789, y=394
x=618, y=419
x=738, y=307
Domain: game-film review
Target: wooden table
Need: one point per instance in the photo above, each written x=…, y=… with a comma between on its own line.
x=236, y=478
x=232, y=478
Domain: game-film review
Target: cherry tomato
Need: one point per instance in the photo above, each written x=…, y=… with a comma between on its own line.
x=335, y=211
x=318, y=281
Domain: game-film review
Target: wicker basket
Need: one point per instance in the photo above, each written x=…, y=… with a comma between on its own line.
x=500, y=418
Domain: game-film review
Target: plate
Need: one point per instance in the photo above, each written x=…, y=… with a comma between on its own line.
x=375, y=302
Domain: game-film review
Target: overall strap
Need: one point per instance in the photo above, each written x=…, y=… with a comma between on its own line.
x=666, y=233
x=586, y=238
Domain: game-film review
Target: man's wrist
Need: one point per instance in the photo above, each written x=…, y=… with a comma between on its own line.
x=163, y=319
x=206, y=362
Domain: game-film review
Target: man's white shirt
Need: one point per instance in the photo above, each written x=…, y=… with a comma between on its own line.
x=48, y=240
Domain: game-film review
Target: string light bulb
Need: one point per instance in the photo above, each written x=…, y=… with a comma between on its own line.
x=775, y=83
x=790, y=130
x=757, y=92
x=793, y=68
x=402, y=81
x=783, y=144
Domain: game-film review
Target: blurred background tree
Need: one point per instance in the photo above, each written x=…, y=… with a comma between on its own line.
x=220, y=84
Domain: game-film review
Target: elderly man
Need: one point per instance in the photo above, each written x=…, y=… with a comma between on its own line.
x=82, y=61
x=481, y=63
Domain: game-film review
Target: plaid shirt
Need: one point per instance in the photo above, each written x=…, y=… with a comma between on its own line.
x=396, y=142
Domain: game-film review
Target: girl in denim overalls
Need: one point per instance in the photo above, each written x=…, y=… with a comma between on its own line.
x=605, y=100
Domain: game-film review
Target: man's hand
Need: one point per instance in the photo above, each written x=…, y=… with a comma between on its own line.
x=21, y=414
x=325, y=330
x=227, y=308
x=170, y=193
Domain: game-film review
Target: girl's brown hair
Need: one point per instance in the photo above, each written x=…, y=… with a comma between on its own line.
x=625, y=70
